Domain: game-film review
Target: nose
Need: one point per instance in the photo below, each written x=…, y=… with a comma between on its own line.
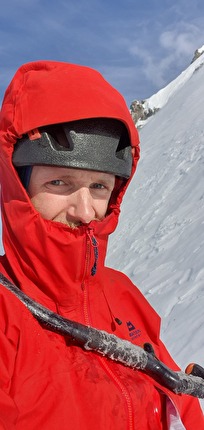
x=81, y=208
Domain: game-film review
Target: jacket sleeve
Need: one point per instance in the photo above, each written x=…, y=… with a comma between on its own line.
x=126, y=292
x=188, y=407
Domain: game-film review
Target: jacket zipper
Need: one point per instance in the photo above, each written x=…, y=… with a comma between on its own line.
x=94, y=244
x=91, y=243
x=85, y=279
x=123, y=390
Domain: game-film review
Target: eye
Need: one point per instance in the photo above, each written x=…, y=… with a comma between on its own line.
x=98, y=186
x=56, y=182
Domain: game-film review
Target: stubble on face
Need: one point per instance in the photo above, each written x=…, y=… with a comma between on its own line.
x=72, y=225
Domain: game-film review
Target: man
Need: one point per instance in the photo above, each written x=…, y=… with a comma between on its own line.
x=69, y=149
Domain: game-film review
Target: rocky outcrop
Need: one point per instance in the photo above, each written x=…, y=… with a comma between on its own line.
x=197, y=54
x=139, y=112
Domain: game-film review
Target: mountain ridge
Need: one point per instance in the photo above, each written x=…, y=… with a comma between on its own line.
x=141, y=111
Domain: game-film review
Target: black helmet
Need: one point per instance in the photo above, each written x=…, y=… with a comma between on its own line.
x=100, y=144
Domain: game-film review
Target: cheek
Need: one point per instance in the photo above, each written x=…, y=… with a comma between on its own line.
x=101, y=208
x=46, y=205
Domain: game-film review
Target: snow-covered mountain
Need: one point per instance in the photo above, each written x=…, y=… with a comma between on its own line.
x=159, y=242
x=146, y=108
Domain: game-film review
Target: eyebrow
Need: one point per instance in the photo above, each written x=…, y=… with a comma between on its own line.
x=102, y=177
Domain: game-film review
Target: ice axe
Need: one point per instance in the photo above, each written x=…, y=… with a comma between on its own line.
x=190, y=382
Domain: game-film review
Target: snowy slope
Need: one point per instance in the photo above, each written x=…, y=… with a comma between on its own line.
x=158, y=100
x=159, y=242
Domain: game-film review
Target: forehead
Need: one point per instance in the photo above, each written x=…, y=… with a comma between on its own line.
x=45, y=173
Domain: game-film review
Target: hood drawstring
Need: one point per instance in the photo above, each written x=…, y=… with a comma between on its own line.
x=114, y=319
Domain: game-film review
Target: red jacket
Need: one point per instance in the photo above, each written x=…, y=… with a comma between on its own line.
x=47, y=381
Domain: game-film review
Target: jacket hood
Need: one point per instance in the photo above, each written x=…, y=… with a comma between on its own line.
x=43, y=93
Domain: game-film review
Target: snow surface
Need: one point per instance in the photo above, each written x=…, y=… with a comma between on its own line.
x=159, y=242
x=201, y=50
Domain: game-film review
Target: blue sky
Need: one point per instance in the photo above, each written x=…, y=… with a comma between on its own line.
x=138, y=45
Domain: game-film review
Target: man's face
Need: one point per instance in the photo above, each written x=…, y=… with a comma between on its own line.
x=70, y=196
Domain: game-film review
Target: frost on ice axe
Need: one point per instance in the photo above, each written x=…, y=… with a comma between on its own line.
x=114, y=348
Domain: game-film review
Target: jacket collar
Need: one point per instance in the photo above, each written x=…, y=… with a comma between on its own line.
x=49, y=259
